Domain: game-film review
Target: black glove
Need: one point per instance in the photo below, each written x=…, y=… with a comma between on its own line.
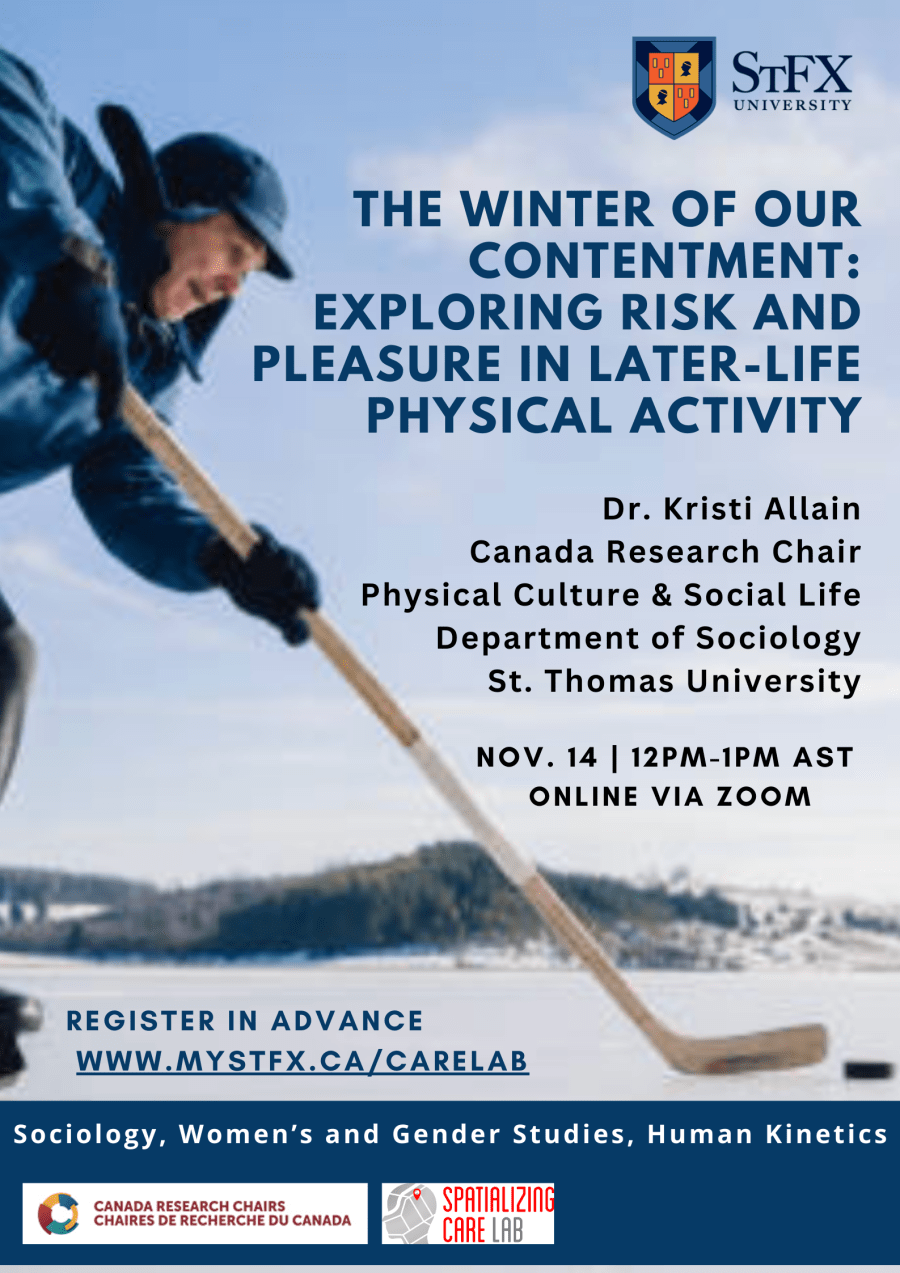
x=75, y=323
x=273, y=583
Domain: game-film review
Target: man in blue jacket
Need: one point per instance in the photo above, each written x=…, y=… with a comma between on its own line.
x=101, y=282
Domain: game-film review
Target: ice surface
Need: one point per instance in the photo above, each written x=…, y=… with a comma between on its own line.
x=578, y=1045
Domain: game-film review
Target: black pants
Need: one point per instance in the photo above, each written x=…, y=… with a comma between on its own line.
x=17, y=660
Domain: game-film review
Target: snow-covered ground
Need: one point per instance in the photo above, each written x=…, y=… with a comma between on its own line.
x=775, y=929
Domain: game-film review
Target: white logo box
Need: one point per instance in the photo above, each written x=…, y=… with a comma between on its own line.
x=200, y=1214
x=429, y=1214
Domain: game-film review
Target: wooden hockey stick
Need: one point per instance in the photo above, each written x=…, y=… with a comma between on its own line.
x=767, y=1050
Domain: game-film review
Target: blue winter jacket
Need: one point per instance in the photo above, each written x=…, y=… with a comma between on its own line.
x=52, y=185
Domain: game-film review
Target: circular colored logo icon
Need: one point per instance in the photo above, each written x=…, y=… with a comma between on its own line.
x=59, y=1223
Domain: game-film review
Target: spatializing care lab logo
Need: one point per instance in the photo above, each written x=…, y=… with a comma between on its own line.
x=475, y=1214
x=674, y=82
x=58, y=1213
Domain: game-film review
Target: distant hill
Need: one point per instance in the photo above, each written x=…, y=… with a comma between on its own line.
x=43, y=888
x=440, y=897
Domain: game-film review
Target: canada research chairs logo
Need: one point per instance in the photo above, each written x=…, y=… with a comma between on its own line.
x=52, y=1215
x=410, y=1211
x=674, y=82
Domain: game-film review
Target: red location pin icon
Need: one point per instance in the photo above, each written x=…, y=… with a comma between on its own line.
x=417, y=1194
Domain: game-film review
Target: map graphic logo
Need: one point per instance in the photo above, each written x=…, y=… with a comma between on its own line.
x=46, y=1219
x=410, y=1211
x=674, y=82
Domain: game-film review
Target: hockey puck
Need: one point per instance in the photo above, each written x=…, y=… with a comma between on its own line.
x=868, y=1070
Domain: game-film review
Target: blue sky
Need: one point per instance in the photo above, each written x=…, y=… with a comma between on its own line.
x=171, y=738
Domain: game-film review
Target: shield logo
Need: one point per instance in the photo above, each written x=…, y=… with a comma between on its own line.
x=674, y=82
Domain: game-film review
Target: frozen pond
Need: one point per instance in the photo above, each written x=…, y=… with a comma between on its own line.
x=576, y=1043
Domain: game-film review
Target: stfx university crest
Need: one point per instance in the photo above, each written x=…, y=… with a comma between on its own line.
x=674, y=82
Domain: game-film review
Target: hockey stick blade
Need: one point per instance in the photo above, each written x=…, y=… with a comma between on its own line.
x=738, y=1054
x=745, y=1053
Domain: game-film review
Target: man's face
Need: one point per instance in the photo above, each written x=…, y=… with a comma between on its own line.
x=208, y=261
